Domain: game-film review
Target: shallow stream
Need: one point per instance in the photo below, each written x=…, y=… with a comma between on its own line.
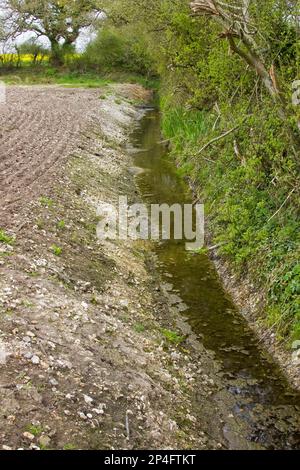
x=260, y=396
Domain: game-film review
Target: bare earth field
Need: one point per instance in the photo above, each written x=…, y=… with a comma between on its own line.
x=39, y=127
x=84, y=362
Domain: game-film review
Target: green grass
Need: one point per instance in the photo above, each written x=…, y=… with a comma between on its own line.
x=33, y=274
x=172, y=336
x=6, y=239
x=56, y=250
x=46, y=202
x=184, y=127
x=46, y=75
x=139, y=328
x=49, y=76
x=5, y=254
x=34, y=430
x=61, y=225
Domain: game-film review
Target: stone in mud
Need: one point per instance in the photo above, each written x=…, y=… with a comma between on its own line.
x=88, y=400
x=28, y=436
x=26, y=339
x=135, y=171
x=35, y=360
x=44, y=441
x=3, y=354
x=296, y=357
x=28, y=355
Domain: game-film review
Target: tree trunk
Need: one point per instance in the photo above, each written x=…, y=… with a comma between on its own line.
x=56, y=55
x=257, y=64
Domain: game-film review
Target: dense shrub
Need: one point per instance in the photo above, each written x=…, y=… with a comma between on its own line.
x=118, y=50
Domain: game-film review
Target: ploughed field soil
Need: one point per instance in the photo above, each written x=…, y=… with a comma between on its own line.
x=39, y=127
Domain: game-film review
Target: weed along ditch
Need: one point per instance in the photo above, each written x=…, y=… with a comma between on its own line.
x=254, y=404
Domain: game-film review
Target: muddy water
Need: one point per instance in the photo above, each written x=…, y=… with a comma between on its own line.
x=258, y=397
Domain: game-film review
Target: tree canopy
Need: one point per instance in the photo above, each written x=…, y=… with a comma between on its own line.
x=61, y=21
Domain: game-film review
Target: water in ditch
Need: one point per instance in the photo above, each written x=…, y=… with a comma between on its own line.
x=260, y=396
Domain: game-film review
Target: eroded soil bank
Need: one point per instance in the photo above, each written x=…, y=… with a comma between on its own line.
x=95, y=352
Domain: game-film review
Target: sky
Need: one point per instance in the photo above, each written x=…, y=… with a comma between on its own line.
x=85, y=37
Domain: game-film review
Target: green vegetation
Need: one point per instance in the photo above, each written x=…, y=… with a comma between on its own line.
x=242, y=205
x=46, y=75
x=27, y=304
x=61, y=225
x=172, y=337
x=120, y=52
x=6, y=239
x=69, y=447
x=35, y=430
x=5, y=254
x=248, y=179
x=115, y=49
x=59, y=21
x=56, y=250
x=46, y=202
x=32, y=52
x=139, y=328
